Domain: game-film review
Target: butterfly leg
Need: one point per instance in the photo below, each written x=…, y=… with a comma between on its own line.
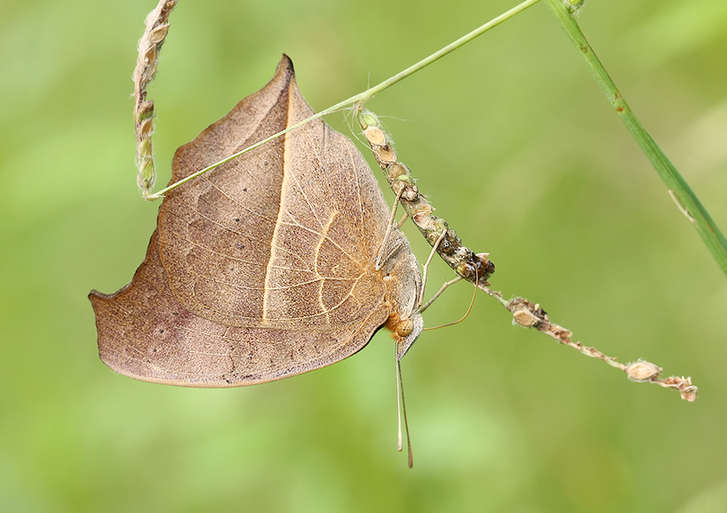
x=425, y=267
x=379, y=260
x=402, y=220
x=466, y=314
x=444, y=287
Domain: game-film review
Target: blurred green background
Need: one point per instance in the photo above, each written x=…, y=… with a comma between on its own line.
x=514, y=144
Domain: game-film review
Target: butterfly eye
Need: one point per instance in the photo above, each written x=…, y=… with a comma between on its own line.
x=404, y=328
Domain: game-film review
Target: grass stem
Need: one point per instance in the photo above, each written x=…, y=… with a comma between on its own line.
x=677, y=187
x=363, y=96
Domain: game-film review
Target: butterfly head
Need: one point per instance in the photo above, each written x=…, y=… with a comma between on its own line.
x=404, y=331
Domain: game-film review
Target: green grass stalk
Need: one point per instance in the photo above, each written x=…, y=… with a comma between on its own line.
x=364, y=96
x=677, y=187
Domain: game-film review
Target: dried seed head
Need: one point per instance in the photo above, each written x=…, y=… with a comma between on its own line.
x=367, y=119
x=446, y=247
x=385, y=154
x=689, y=392
x=524, y=317
x=146, y=177
x=403, y=188
x=422, y=213
x=411, y=193
x=465, y=270
x=145, y=128
x=396, y=170
x=562, y=334
x=150, y=55
x=486, y=267
x=158, y=34
x=374, y=135
x=642, y=370
x=144, y=148
x=145, y=110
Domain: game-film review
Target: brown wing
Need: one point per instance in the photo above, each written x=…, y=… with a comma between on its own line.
x=144, y=332
x=282, y=236
x=262, y=268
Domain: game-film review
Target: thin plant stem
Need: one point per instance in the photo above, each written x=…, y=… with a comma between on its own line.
x=677, y=187
x=477, y=267
x=364, y=96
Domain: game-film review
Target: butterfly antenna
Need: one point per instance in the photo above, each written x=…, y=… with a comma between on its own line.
x=400, y=383
x=466, y=314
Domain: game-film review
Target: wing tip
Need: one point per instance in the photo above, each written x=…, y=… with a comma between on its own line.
x=286, y=64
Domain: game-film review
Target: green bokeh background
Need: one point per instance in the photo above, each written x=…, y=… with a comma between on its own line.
x=514, y=144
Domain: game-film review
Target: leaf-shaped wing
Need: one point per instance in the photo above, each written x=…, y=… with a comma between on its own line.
x=282, y=236
x=144, y=332
x=262, y=268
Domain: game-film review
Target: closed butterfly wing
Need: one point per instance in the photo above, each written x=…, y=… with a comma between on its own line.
x=264, y=267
